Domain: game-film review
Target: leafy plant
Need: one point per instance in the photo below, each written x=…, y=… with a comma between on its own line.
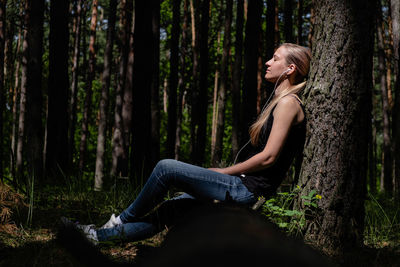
x=280, y=210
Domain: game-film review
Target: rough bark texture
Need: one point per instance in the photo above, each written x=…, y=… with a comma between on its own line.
x=34, y=122
x=249, y=104
x=57, y=114
x=223, y=87
x=87, y=109
x=173, y=79
x=74, y=81
x=236, y=80
x=200, y=125
x=338, y=110
x=386, y=179
x=395, y=12
x=101, y=136
x=119, y=154
x=182, y=79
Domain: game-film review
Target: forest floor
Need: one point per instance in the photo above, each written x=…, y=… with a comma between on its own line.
x=36, y=244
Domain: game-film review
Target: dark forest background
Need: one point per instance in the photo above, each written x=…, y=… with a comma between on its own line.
x=96, y=92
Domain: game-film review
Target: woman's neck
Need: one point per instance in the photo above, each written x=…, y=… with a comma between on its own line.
x=282, y=86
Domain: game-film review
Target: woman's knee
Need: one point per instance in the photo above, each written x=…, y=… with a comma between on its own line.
x=165, y=165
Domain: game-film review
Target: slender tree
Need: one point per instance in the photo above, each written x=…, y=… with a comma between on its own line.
x=173, y=79
x=87, y=110
x=182, y=79
x=338, y=110
x=236, y=79
x=288, y=21
x=101, y=136
x=119, y=153
x=35, y=128
x=155, y=84
x=253, y=29
x=143, y=68
x=223, y=87
x=386, y=178
x=395, y=14
x=58, y=83
x=79, y=13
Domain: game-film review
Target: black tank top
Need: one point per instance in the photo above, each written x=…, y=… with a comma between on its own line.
x=266, y=181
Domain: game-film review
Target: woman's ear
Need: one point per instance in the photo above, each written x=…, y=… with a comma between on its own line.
x=291, y=69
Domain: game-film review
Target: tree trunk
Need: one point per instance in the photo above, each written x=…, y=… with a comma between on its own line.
x=182, y=80
x=101, y=136
x=236, y=80
x=16, y=97
x=387, y=155
x=58, y=83
x=87, y=110
x=74, y=82
x=34, y=99
x=155, y=84
x=288, y=21
x=215, y=100
x=249, y=104
x=194, y=97
x=22, y=104
x=143, y=67
x=173, y=79
x=119, y=153
x=338, y=111
x=223, y=87
x=395, y=14
x=2, y=80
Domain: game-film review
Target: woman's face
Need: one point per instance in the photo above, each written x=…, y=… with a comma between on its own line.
x=276, y=65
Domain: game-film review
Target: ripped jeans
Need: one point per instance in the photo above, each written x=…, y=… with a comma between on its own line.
x=198, y=182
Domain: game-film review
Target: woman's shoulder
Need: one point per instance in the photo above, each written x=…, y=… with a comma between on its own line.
x=290, y=100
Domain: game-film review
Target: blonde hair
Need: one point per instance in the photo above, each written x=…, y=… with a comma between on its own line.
x=300, y=56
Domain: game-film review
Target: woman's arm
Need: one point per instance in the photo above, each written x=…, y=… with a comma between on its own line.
x=287, y=113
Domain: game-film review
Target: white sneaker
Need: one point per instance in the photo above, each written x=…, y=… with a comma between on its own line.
x=88, y=230
x=114, y=221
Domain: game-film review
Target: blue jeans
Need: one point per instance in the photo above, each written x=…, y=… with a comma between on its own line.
x=201, y=183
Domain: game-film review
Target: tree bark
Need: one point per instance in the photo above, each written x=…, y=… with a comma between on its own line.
x=249, y=100
x=58, y=83
x=173, y=79
x=155, y=84
x=288, y=21
x=143, y=68
x=338, y=112
x=16, y=97
x=119, y=153
x=101, y=136
x=74, y=82
x=223, y=87
x=386, y=179
x=236, y=80
x=395, y=14
x=87, y=110
x=182, y=80
x=35, y=128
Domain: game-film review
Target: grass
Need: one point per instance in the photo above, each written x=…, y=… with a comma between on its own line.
x=29, y=223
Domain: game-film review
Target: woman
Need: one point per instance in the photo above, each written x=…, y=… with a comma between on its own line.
x=276, y=138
